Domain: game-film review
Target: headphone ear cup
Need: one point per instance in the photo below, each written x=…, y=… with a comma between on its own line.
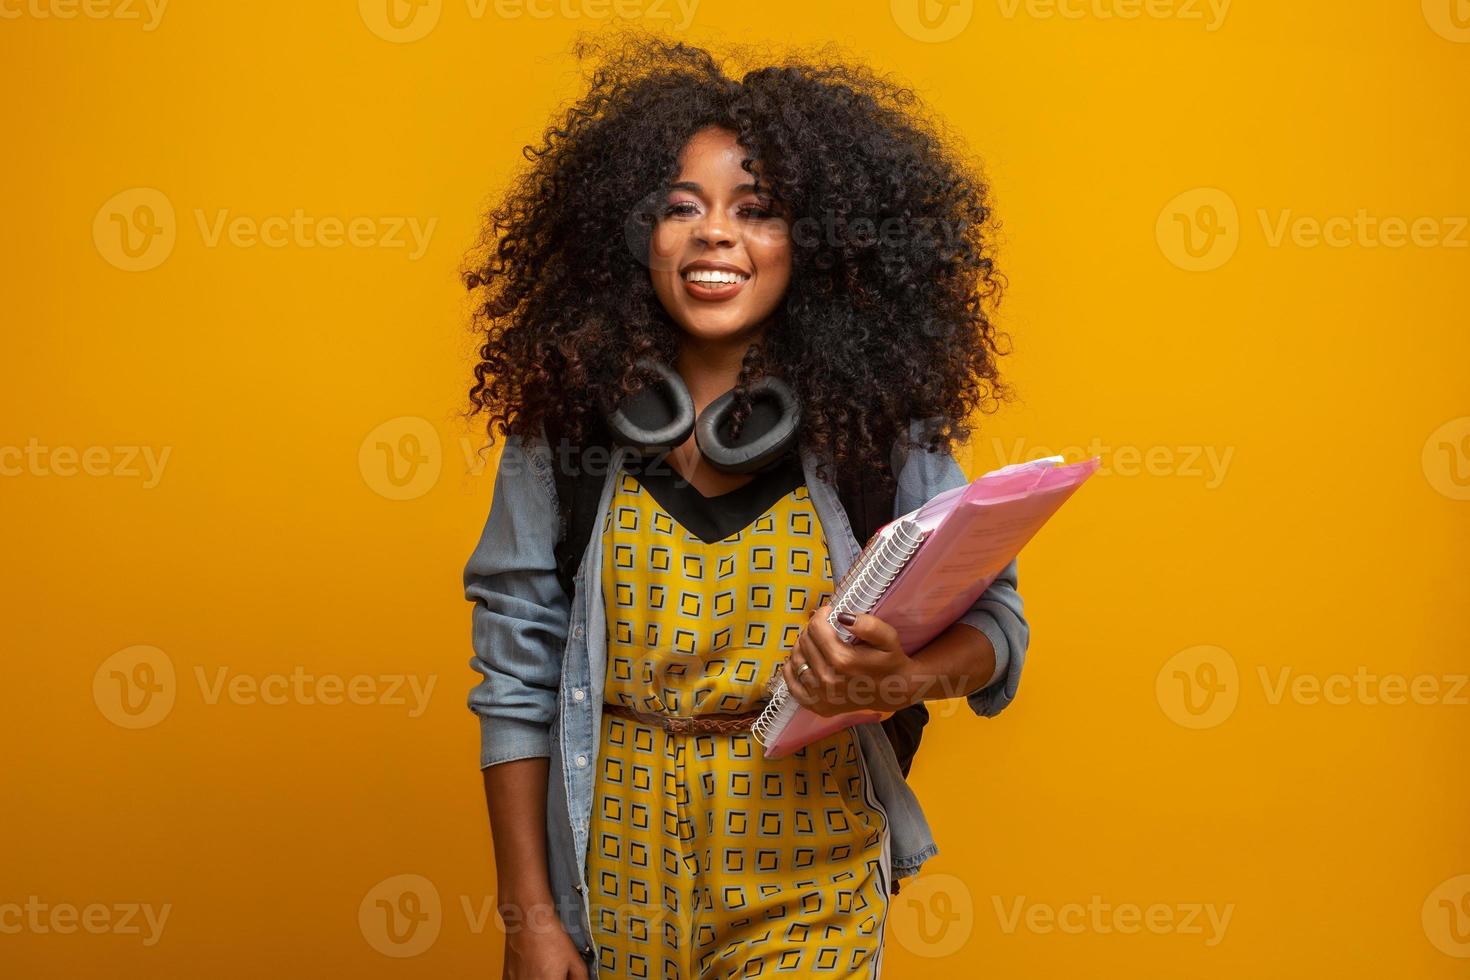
x=768, y=434
x=657, y=418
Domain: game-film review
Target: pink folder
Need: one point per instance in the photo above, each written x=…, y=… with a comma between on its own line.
x=923, y=570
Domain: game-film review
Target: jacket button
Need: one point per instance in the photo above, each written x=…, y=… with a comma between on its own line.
x=581, y=760
x=579, y=695
x=577, y=633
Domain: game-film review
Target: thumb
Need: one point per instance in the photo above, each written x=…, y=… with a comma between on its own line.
x=870, y=629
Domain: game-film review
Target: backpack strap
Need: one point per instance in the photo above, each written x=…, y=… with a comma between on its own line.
x=867, y=496
x=578, y=492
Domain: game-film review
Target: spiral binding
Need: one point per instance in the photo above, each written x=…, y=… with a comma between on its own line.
x=858, y=592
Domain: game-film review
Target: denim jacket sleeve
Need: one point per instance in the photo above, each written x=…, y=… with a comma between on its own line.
x=998, y=612
x=521, y=611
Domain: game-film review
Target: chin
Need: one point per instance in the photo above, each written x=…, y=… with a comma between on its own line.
x=723, y=327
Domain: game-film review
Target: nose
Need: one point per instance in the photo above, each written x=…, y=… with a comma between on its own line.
x=715, y=229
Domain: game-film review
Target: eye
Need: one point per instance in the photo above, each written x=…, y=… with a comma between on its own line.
x=680, y=209
x=757, y=212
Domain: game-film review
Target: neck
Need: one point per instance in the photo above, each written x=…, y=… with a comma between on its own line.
x=711, y=368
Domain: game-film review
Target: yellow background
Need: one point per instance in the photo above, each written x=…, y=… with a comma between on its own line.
x=1330, y=379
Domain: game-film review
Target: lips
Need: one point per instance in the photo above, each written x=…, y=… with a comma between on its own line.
x=713, y=281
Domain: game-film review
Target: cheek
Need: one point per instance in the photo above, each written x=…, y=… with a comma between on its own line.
x=771, y=252
x=665, y=247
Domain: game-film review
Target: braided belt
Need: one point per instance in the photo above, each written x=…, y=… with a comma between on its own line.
x=699, y=724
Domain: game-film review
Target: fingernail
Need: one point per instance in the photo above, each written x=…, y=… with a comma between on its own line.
x=846, y=618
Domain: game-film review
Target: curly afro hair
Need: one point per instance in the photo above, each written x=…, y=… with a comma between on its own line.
x=887, y=317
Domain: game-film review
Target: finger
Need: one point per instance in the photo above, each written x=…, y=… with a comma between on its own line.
x=834, y=651
x=795, y=686
x=797, y=680
x=822, y=669
x=820, y=623
x=808, y=653
x=797, y=656
x=788, y=671
x=874, y=632
x=806, y=642
x=824, y=682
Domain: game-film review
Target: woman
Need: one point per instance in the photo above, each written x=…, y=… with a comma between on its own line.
x=801, y=224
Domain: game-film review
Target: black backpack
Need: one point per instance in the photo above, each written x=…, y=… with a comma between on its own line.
x=866, y=497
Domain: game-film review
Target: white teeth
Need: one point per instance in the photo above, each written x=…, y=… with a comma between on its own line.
x=713, y=276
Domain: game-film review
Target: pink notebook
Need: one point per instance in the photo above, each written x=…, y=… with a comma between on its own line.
x=923, y=570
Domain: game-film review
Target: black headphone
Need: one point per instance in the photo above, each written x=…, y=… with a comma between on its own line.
x=659, y=417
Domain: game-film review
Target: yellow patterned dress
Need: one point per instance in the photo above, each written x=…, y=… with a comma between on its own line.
x=705, y=859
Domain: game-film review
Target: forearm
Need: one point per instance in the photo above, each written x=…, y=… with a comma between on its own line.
x=953, y=664
x=515, y=795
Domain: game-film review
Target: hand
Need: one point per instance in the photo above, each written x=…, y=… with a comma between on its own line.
x=542, y=951
x=873, y=672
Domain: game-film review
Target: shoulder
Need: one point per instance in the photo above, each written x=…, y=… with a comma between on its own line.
x=528, y=456
x=923, y=472
x=913, y=450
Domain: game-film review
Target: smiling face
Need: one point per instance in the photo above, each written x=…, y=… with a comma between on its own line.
x=720, y=256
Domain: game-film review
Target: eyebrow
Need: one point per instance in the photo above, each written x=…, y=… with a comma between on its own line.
x=689, y=185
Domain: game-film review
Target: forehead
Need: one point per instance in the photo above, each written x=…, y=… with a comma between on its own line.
x=714, y=155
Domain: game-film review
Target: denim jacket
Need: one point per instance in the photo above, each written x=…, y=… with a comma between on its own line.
x=542, y=654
